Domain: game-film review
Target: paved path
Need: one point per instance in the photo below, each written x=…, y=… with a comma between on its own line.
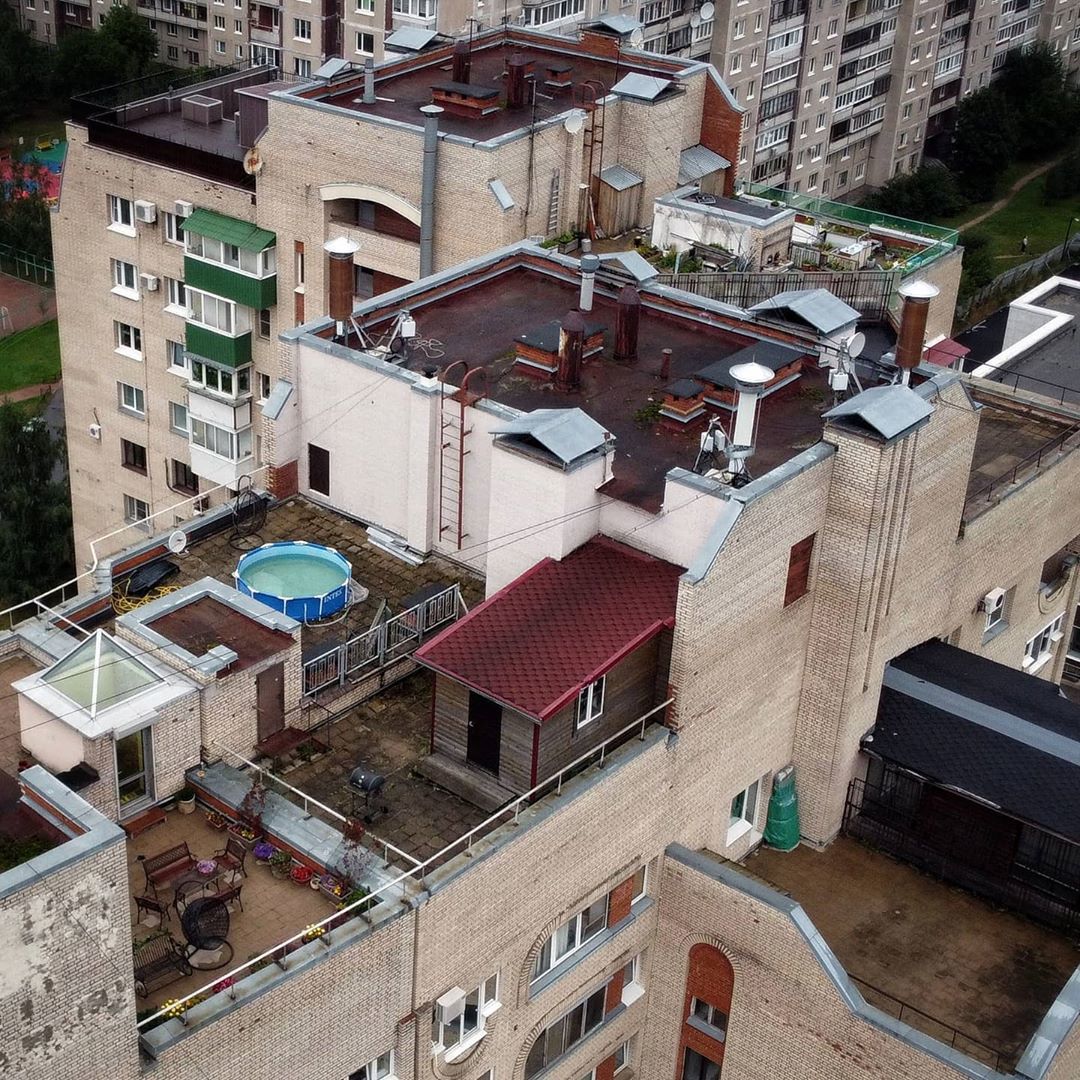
x=24, y=393
x=999, y=204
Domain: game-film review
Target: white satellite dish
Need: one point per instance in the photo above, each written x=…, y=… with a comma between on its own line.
x=253, y=162
x=637, y=38
x=695, y=20
x=707, y=11
x=574, y=122
x=177, y=542
x=855, y=344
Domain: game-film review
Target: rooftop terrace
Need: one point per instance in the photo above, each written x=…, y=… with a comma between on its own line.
x=945, y=962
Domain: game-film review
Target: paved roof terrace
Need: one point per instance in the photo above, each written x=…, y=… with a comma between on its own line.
x=939, y=959
x=403, y=87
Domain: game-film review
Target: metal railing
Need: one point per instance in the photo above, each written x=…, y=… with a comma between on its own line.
x=1028, y=466
x=308, y=802
x=384, y=643
x=940, y=1030
x=463, y=845
x=1016, y=279
x=22, y=264
x=1052, y=391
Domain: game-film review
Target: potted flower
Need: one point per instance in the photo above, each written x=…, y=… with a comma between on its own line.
x=301, y=874
x=216, y=820
x=280, y=862
x=313, y=933
x=186, y=800
x=244, y=833
x=262, y=851
x=332, y=887
x=249, y=826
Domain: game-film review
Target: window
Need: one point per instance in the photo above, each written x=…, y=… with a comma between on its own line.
x=479, y=1004
x=238, y=26
x=743, y=812
x=170, y=225
x=1041, y=647
x=787, y=40
x=128, y=340
x=219, y=22
x=772, y=137
x=233, y=445
x=365, y=43
x=736, y=63
x=254, y=263
x=590, y=703
x=264, y=323
x=633, y=982
x=135, y=510
x=548, y=13
x=824, y=91
x=711, y=1017
x=302, y=29
x=365, y=7
x=798, y=573
x=570, y=937
x=220, y=380
x=382, y=1066
x=178, y=418
x=212, y=311
x=318, y=469
x=623, y=1055
x=133, y=456
x=738, y=29
x=177, y=300
x=125, y=279
x=131, y=398
x=264, y=386
x=641, y=884
x=302, y=67
x=176, y=357
x=833, y=28
x=811, y=181
x=219, y=47
x=779, y=74
x=121, y=215
x=171, y=51
x=565, y=1033
x=239, y=52
x=696, y=1067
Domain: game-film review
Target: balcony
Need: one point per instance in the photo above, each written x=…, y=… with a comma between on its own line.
x=246, y=289
x=264, y=35
x=783, y=10
x=218, y=348
x=382, y=252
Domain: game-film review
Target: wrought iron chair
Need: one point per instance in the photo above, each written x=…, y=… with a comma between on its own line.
x=227, y=896
x=231, y=859
x=151, y=905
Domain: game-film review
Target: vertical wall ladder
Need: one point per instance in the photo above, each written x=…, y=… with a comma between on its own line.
x=553, y=205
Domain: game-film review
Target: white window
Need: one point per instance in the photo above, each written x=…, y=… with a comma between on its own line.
x=418, y=9
x=641, y=884
x=175, y=357
x=833, y=28
x=220, y=380
x=219, y=47
x=125, y=277
x=819, y=123
x=135, y=510
x=382, y=1066
x=570, y=937
x=948, y=64
x=860, y=170
x=566, y=1032
x=302, y=29
x=121, y=215
x=738, y=29
x=239, y=52
x=709, y=1016
x=549, y=13
x=176, y=295
x=743, y=812
x=590, y=703
x=233, y=445
x=365, y=43
x=365, y=7
x=131, y=398
x=302, y=67
x=772, y=137
x=264, y=386
x=219, y=22
x=178, y=418
x=465, y=1029
x=128, y=340
x=779, y=74
x=1041, y=647
x=824, y=91
x=736, y=63
x=811, y=181
x=787, y=40
x=633, y=983
x=623, y=1056
x=211, y=311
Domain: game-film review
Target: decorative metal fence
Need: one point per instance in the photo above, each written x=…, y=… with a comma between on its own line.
x=22, y=264
x=1015, y=280
x=384, y=643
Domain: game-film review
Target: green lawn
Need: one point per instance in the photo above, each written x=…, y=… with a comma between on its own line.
x=29, y=357
x=1010, y=176
x=1044, y=224
x=42, y=121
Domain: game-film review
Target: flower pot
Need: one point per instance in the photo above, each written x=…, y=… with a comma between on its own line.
x=302, y=875
x=216, y=821
x=238, y=832
x=314, y=882
x=279, y=871
x=186, y=806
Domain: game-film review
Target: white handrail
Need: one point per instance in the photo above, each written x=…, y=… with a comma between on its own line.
x=515, y=806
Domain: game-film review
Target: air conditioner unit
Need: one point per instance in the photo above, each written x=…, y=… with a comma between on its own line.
x=94, y=431
x=149, y=282
x=184, y=209
x=993, y=603
x=145, y=211
x=450, y=1006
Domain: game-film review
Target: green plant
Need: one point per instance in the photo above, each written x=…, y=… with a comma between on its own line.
x=648, y=415
x=253, y=805
x=281, y=860
x=187, y=792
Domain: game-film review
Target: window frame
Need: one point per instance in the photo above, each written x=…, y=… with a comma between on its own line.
x=593, y=1002
x=131, y=454
x=128, y=340
x=590, y=703
x=718, y=1031
x=365, y=1072
x=137, y=395
x=132, y=507
x=116, y=205
x=577, y=928
x=487, y=1003
x=744, y=819
x=119, y=276
x=1040, y=649
x=185, y=430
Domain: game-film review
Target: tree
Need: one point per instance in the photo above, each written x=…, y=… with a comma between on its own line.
x=132, y=33
x=984, y=142
x=929, y=192
x=24, y=214
x=978, y=269
x=21, y=62
x=35, y=514
x=122, y=49
x=1043, y=108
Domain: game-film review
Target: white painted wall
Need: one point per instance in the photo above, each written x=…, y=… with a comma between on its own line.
x=52, y=742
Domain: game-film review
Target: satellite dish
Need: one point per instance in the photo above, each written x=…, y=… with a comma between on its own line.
x=253, y=162
x=637, y=38
x=708, y=10
x=574, y=122
x=177, y=541
x=695, y=20
x=855, y=344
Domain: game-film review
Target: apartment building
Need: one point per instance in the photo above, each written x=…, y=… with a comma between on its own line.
x=843, y=96
x=633, y=634
x=206, y=255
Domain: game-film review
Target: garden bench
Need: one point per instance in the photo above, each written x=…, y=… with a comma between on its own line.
x=166, y=866
x=159, y=961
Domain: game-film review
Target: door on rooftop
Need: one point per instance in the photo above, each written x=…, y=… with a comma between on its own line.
x=134, y=772
x=270, y=700
x=318, y=469
x=485, y=733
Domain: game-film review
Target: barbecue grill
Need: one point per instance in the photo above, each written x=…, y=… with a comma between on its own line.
x=366, y=786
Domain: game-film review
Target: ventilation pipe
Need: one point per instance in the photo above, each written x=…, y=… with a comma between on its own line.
x=909, y=344
x=750, y=382
x=626, y=324
x=571, y=349
x=427, y=190
x=369, y=81
x=665, y=364
x=589, y=265
x=341, y=252
x=462, y=62
x=515, y=82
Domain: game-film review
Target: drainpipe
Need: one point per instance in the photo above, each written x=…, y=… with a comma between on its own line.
x=427, y=191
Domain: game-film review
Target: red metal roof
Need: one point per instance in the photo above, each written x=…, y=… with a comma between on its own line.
x=534, y=644
x=946, y=352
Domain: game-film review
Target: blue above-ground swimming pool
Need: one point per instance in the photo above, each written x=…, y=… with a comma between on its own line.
x=306, y=581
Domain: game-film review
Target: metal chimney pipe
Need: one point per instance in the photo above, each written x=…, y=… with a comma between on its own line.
x=750, y=382
x=462, y=62
x=427, y=189
x=909, y=343
x=340, y=273
x=626, y=324
x=571, y=349
x=369, y=81
x=589, y=265
x=665, y=364
x=515, y=82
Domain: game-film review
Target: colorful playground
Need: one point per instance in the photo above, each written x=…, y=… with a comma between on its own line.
x=40, y=166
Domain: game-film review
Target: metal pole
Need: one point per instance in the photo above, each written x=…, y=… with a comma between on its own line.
x=427, y=191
